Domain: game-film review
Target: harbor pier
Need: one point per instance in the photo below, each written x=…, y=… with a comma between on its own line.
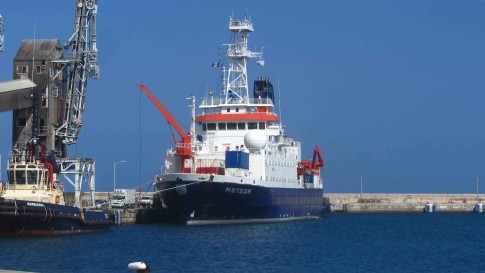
x=333, y=203
x=404, y=202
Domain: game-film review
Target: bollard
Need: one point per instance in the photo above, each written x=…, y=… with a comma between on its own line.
x=478, y=208
x=429, y=208
x=118, y=217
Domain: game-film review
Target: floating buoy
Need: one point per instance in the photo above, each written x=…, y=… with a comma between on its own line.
x=140, y=267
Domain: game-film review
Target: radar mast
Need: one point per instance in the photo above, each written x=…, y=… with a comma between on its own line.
x=235, y=77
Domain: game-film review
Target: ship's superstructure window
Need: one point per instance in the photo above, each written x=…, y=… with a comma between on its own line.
x=22, y=69
x=204, y=127
x=262, y=126
x=222, y=126
x=237, y=110
x=10, y=176
x=241, y=126
x=20, y=177
x=231, y=126
x=32, y=177
x=252, y=125
x=211, y=126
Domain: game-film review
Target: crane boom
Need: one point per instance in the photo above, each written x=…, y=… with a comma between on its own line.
x=184, y=146
x=170, y=119
x=81, y=65
x=314, y=165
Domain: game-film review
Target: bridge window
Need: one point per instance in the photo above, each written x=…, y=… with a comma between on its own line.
x=231, y=126
x=11, y=177
x=204, y=127
x=262, y=126
x=252, y=125
x=241, y=126
x=32, y=177
x=20, y=177
x=222, y=126
x=211, y=126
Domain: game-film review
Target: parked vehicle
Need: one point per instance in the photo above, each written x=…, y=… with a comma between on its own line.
x=146, y=201
x=123, y=198
x=101, y=204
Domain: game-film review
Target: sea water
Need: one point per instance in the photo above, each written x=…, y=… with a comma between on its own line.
x=384, y=242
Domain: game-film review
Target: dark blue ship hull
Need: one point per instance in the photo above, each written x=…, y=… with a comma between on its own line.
x=26, y=218
x=189, y=202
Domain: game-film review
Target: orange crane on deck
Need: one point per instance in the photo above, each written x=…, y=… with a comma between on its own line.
x=183, y=146
x=314, y=165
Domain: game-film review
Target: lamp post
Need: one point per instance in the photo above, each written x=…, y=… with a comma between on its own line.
x=478, y=178
x=114, y=173
x=361, y=178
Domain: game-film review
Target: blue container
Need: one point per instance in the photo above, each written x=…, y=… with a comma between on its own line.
x=237, y=159
x=308, y=178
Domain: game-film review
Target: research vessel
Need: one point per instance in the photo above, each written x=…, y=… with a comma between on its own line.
x=32, y=201
x=236, y=165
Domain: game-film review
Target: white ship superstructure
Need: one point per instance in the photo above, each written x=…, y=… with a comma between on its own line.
x=236, y=147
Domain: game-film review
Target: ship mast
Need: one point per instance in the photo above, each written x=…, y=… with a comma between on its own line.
x=236, y=80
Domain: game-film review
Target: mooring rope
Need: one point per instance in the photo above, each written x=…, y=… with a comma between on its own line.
x=179, y=186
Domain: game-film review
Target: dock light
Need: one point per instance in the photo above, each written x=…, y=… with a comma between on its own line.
x=114, y=173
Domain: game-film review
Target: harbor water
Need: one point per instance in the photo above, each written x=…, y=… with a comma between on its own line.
x=347, y=242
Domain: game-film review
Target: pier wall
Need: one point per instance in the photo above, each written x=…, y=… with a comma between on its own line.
x=409, y=202
x=122, y=216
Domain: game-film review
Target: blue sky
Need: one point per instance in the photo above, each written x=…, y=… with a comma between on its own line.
x=394, y=90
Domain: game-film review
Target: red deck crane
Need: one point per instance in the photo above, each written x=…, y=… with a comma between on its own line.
x=183, y=146
x=314, y=165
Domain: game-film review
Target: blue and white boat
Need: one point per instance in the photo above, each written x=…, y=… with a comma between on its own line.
x=236, y=165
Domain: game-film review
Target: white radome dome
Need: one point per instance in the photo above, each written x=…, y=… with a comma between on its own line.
x=255, y=139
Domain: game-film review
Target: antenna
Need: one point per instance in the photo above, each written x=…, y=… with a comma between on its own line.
x=279, y=103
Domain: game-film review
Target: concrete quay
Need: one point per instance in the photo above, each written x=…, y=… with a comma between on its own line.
x=406, y=202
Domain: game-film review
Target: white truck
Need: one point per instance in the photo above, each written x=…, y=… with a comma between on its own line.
x=123, y=198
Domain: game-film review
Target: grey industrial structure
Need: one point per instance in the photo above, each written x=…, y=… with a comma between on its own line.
x=34, y=61
x=48, y=91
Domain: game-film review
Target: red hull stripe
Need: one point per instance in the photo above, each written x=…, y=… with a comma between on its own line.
x=236, y=117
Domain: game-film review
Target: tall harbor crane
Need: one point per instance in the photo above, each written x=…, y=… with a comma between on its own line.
x=80, y=63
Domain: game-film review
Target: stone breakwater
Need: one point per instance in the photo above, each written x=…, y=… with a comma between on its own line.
x=407, y=202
